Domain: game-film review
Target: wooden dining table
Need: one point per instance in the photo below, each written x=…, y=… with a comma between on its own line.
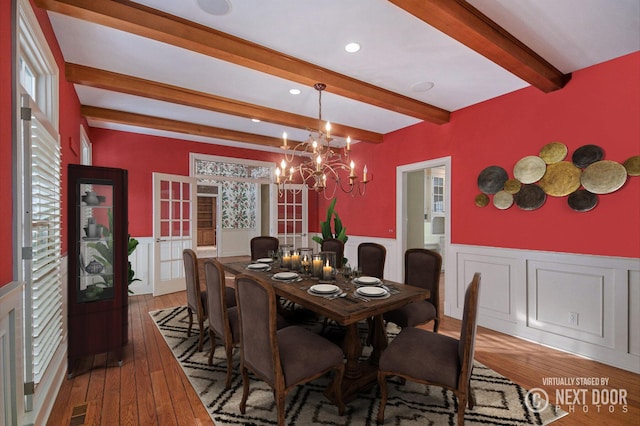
x=346, y=311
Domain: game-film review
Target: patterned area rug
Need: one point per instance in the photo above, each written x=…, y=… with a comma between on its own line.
x=499, y=401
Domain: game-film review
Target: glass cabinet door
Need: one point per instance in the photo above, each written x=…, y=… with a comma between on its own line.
x=96, y=244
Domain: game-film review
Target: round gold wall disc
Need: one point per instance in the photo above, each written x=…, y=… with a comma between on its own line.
x=529, y=169
x=562, y=178
x=482, y=200
x=502, y=200
x=604, y=177
x=553, y=152
x=632, y=165
x=512, y=186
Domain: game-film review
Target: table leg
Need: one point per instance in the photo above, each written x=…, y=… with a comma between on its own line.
x=378, y=339
x=352, y=350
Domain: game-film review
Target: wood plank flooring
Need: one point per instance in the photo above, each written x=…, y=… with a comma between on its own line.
x=151, y=389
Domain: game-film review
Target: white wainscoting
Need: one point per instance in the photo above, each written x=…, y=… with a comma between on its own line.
x=142, y=264
x=11, y=353
x=587, y=305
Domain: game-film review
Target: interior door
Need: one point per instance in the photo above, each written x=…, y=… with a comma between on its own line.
x=293, y=212
x=174, y=229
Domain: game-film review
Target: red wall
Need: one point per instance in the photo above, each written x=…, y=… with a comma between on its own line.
x=69, y=128
x=143, y=155
x=600, y=105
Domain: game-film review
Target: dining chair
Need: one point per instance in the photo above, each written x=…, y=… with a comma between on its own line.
x=422, y=268
x=260, y=246
x=282, y=358
x=337, y=246
x=196, y=298
x=435, y=359
x=371, y=257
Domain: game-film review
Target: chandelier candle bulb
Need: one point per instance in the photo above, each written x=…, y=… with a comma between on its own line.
x=277, y=174
x=352, y=175
x=328, y=129
x=284, y=137
x=364, y=173
x=348, y=143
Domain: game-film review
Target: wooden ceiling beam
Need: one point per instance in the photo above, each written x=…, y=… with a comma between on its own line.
x=461, y=21
x=101, y=79
x=150, y=122
x=156, y=25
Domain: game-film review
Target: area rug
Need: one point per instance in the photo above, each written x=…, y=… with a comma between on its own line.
x=499, y=401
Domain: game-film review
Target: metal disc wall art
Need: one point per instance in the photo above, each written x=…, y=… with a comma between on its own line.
x=553, y=152
x=561, y=179
x=503, y=200
x=582, y=200
x=482, y=200
x=512, y=186
x=492, y=179
x=632, y=164
x=587, y=154
x=530, y=197
x=604, y=177
x=529, y=169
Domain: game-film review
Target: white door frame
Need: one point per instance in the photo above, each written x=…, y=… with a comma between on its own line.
x=163, y=250
x=401, y=210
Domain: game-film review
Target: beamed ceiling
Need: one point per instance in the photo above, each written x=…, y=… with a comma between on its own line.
x=171, y=69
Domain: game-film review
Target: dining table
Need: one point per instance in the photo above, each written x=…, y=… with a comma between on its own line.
x=347, y=308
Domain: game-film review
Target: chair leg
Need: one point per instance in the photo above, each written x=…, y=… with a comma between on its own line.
x=201, y=339
x=338, y=388
x=436, y=324
x=212, y=338
x=472, y=400
x=229, y=350
x=280, y=407
x=245, y=389
x=382, y=382
x=462, y=404
x=190, y=322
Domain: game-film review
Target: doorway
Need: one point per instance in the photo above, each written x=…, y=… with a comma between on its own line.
x=423, y=207
x=207, y=224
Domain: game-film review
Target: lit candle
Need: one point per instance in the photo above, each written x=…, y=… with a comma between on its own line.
x=305, y=264
x=348, y=143
x=316, y=266
x=318, y=162
x=295, y=261
x=277, y=174
x=286, y=260
x=352, y=166
x=364, y=173
x=328, y=128
x=327, y=272
x=284, y=136
x=283, y=166
x=291, y=172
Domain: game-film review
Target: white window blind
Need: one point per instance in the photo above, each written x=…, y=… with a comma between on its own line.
x=46, y=237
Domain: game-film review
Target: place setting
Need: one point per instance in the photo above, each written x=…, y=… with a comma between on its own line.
x=287, y=277
x=328, y=291
x=371, y=292
x=264, y=267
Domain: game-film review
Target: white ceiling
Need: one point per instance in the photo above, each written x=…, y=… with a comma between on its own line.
x=398, y=52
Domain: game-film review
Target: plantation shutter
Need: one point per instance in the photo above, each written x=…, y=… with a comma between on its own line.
x=45, y=285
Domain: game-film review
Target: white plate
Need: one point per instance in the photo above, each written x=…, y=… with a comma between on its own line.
x=367, y=280
x=258, y=266
x=324, y=288
x=372, y=291
x=286, y=276
x=265, y=260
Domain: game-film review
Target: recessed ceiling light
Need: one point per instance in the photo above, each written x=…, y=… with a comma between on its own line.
x=255, y=120
x=215, y=7
x=294, y=91
x=352, y=47
x=423, y=86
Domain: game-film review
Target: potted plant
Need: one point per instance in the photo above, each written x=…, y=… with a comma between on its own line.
x=339, y=232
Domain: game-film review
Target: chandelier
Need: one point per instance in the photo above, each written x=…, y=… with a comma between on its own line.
x=328, y=167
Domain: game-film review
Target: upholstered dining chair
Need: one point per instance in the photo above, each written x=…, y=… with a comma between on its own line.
x=196, y=298
x=422, y=268
x=260, y=246
x=371, y=258
x=425, y=357
x=337, y=246
x=282, y=358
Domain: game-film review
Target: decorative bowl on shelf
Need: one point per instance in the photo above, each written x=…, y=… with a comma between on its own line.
x=94, y=267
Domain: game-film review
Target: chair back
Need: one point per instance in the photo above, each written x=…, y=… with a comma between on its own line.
x=335, y=245
x=466, y=344
x=216, y=302
x=260, y=246
x=257, y=314
x=190, y=260
x=371, y=257
x=422, y=268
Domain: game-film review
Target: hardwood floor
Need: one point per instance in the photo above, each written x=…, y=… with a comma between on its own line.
x=151, y=389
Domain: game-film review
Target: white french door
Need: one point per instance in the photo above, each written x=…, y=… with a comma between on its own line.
x=174, y=229
x=293, y=213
